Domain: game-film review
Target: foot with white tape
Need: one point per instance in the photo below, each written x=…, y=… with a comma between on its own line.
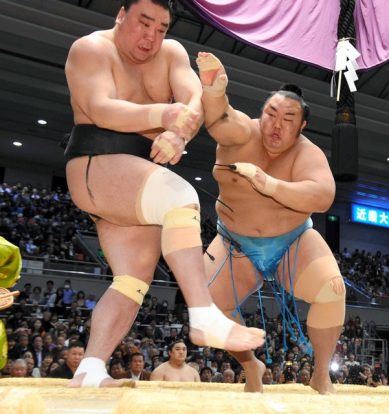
x=212, y=74
x=92, y=373
x=210, y=327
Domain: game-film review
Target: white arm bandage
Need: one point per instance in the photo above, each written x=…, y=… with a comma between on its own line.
x=245, y=168
x=250, y=170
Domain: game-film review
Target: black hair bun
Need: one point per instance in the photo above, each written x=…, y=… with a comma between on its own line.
x=291, y=87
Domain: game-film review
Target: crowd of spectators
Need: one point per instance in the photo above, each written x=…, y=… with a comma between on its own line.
x=369, y=272
x=45, y=322
x=44, y=224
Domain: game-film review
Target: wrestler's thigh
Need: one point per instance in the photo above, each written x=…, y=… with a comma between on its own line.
x=311, y=247
x=219, y=275
x=134, y=251
x=115, y=181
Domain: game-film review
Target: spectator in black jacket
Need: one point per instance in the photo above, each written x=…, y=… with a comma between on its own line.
x=74, y=355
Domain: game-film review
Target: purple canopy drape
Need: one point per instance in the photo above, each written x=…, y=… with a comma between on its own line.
x=302, y=29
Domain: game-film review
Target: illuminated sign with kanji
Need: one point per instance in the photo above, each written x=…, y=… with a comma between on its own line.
x=370, y=215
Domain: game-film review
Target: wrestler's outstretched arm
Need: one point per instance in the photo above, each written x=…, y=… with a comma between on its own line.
x=91, y=83
x=225, y=124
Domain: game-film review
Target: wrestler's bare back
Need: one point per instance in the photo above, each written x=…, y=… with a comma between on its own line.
x=254, y=213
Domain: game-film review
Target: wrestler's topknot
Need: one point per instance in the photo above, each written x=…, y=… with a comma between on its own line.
x=166, y=4
x=291, y=87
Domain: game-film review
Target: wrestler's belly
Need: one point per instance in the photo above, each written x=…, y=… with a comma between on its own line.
x=256, y=215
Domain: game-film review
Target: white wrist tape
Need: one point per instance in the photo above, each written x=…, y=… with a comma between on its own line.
x=95, y=371
x=245, y=168
x=155, y=115
x=166, y=147
x=271, y=185
x=182, y=117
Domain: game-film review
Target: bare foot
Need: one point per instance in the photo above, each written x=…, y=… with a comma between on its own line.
x=322, y=384
x=108, y=382
x=239, y=338
x=254, y=372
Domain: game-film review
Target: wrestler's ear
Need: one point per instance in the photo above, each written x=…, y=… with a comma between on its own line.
x=121, y=15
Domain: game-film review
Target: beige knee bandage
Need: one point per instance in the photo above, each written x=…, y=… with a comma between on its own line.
x=322, y=285
x=180, y=230
x=131, y=287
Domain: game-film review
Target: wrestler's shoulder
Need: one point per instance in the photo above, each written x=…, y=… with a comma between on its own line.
x=305, y=144
x=96, y=41
x=173, y=47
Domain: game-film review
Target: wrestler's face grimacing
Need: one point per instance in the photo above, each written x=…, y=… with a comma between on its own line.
x=281, y=124
x=141, y=30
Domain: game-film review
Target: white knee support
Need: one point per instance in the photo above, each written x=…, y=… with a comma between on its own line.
x=162, y=192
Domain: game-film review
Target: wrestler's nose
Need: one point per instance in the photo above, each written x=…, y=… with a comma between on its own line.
x=149, y=34
x=277, y=122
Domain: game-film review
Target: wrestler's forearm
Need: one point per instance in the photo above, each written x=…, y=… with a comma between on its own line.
x=195, y=103
x=214, y=108
x=305, y=196
x=124, y=116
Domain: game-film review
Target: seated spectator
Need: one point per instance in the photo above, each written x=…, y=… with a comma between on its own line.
x=241, y=377
x=304, y=377
x=116, y=369
x=18, y=368
x=90, y=302
x=69, y=293
x=59, y=306
x=80, y=299
x=49, y=295
x=173, y=337
x=36, y=296
x=12, y=350
x=176, y=369
x=205, y=374
x=228, y=376
x=74, y=355
x=268, y=377
x=32, y=371
x=351, y=361
x=136, y=369
x=287, y=376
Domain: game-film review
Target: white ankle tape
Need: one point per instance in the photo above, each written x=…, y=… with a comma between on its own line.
x=213, y=323
x=95, y=371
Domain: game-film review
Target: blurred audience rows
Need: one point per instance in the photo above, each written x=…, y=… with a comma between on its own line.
x=45, y=322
